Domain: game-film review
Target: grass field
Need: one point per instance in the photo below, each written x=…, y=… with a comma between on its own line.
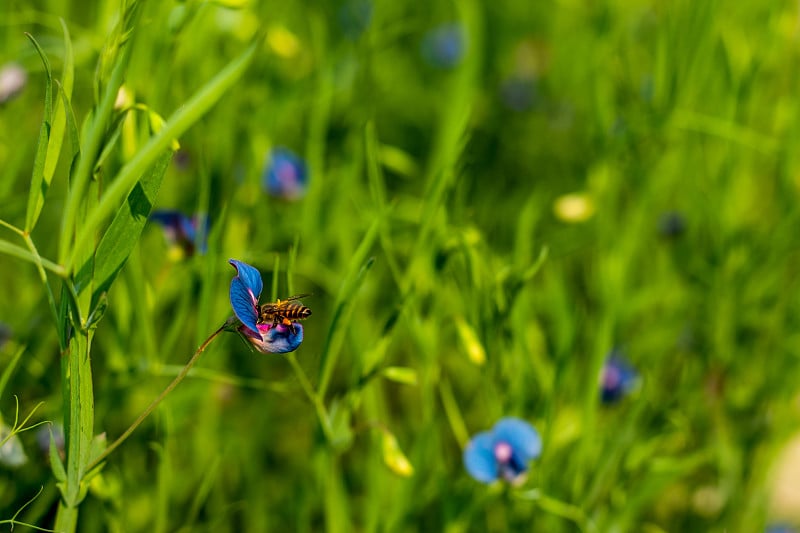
x=485, y=200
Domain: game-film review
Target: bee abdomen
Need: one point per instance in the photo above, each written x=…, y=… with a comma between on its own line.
x=297, y=311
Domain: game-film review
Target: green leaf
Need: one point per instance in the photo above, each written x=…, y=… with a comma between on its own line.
x=186, y=116
x=8, y=370
x=56, y=137
x=344, y=305
x=98, y=446
x=93, y=134
x=55, y=460
x=38, y=184
x=123, y=233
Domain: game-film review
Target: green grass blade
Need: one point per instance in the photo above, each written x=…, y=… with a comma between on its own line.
x=95, y=132
x=178, y=123
x=72, y=129
x=359, y=265
x=38, y=183
x=9, y=369
x=21, y=253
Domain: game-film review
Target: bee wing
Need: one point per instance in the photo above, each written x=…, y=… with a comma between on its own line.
x=295, y=297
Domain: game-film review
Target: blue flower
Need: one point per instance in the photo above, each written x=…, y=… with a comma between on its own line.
x=671, y=224
x=285, y=175
x=266, y=338
x=617, y=378
x=181, y=231
x=444, y=46
x=503, y=452
x=780, y=528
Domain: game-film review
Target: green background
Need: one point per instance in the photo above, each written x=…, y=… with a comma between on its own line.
x=428, y=233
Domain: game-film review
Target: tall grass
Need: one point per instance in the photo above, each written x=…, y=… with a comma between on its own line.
x=448, y=292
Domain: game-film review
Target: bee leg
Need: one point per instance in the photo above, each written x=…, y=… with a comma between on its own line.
x=290, y=324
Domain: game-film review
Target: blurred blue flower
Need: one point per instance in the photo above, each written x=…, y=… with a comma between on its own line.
x=13, y=79
x=671, y=224
x=181, y=231
x=780, y=528
x=617, y=378
x=503, y=452
x=245, y=290
x=354, y=17
x=285, y=175
x=444, y=46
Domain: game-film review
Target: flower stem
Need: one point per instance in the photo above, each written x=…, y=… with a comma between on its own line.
x=114, y=445
x=322, y=413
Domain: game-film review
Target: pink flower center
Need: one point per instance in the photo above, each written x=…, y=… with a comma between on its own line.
x=611, y=377
x=287, y=175
x=503, y=452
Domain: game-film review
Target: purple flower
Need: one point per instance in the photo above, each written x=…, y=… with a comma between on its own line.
x=616, y=379
x=285, y=175
x=444, y=46
x=267, y=338
x=181, y=231
x=503, y=452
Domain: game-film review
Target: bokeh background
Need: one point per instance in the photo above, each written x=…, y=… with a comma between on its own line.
x=486, y=199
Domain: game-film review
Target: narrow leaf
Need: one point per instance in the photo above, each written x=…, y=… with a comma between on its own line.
x=72, y=129
x=359, y=265
x=38, y=185
x=8, y=370
x=55, y=460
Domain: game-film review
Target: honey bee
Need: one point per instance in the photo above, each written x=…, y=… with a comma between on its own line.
x=284, y=311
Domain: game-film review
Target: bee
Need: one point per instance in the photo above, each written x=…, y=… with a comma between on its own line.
x=284, y=311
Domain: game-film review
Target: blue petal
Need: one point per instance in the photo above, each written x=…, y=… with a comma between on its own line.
x=167, y=217
x=245, y=290
x=170, y=221
x=277, y=339
x=522, y=437
x=618, y=378
x=280, y=339
x=286, y=175
x=479, y=458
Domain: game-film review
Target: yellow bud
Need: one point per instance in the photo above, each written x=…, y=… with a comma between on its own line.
x=574, y=208
x=394, y=458
x=283, y=42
